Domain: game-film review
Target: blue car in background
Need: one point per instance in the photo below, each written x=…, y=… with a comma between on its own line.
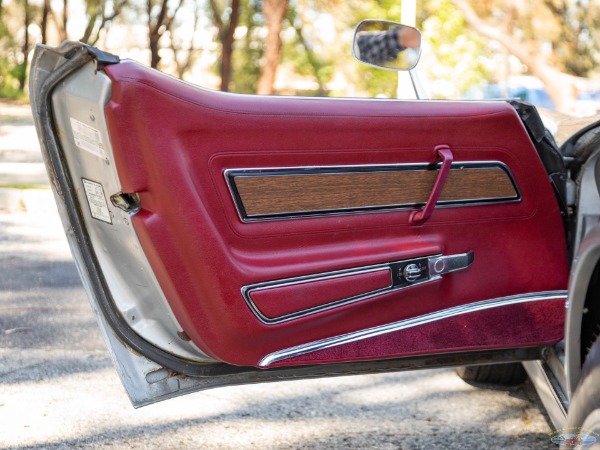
x=528, y=89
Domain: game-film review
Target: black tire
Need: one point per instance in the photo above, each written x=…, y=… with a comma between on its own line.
x=508, y=374
x=584, y=409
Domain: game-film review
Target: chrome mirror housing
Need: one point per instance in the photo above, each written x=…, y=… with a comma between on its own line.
x=388, y=45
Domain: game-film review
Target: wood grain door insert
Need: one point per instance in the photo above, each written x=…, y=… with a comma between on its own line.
x=290, y=192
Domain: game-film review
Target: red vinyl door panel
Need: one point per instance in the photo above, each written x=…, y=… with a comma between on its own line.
x=308, y=201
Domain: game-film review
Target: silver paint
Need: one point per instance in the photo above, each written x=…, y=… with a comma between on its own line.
x=132, y=284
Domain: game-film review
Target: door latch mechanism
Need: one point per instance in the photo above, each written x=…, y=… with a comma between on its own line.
x=429, y=268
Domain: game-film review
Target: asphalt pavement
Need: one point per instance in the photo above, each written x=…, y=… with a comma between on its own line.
x=58, y=389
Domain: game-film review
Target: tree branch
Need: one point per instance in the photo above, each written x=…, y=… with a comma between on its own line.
x=216, y=16
x=513, y=45
x=560, y=86
x=169, y=19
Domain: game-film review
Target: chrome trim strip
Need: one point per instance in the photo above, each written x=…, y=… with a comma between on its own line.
x=366, y=167
x=549, y=391
x=248, y=290
x=229, y=175
x=450, y=263
x=348, y=338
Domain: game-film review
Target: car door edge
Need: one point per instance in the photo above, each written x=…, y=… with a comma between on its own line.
x=148, y=373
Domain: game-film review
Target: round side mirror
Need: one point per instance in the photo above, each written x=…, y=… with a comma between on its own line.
x=388, y=45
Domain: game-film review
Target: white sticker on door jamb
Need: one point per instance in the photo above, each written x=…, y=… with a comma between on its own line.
x=87, y=138
x=96, y=200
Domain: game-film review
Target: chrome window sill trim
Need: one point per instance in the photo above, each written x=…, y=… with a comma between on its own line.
x=348, y=338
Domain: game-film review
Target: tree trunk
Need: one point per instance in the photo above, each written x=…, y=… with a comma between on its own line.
x=274, y=12
x=25, y=49
x=89, y=28
x=312, y=60
x=98, y=18
x=154, y=31
x=157, y=27
x=65, y=18
x=226, y=37
x=154, y=48
x=61, y=25
x=44, y=23
x=191, y=53
x=227, y=41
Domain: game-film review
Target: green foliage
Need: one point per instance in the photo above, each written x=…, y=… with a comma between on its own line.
x=567, y=32
x=577, y=35
x=379, y=82
x=368, y=81
x=249, y=50
x=313, y=54
x=10, y=70
x=301, y=56
x=375, y=82
x=9, y=89
x=454, y=55
x=454, y=58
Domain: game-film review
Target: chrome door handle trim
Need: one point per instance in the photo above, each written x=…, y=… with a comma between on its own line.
x=430, y=270
x=439, y=265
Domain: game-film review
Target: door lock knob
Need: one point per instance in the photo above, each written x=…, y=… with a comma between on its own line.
x=412, y=272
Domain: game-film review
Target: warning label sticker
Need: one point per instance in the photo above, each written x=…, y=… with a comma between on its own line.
x=87, y=138
x=96, y=200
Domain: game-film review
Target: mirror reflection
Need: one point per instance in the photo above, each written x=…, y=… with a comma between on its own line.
x=388, y=45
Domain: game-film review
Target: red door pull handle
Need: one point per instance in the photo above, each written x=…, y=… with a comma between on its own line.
x=445, y=154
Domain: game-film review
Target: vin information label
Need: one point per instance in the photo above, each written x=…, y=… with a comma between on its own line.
x=96, y=200
x=87, y=138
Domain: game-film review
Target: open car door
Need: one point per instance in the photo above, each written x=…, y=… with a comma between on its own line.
x=227, y=239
